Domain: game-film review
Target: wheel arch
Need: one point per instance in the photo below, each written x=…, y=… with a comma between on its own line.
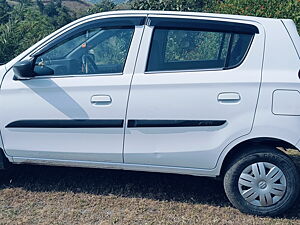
x=236, y=150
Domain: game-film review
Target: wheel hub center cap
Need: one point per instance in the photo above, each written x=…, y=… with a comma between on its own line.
x=262, y=184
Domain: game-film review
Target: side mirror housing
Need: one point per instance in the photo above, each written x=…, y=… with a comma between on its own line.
x=24, y=70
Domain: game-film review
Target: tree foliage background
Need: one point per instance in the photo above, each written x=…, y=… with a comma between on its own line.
x=24, y=22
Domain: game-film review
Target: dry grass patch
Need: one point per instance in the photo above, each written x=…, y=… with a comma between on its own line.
x=55, y=195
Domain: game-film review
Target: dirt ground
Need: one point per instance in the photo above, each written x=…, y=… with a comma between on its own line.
x=57, y=195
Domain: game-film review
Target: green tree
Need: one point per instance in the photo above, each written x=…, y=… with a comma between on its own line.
x=26, y=26
x=58, y=14
x=23, y=24
x=4, y=11
x=24, y=2
x=178, y=5
x=40, y=5
x=103, y=6
x=263, y=8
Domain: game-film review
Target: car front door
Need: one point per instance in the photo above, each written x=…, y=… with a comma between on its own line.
x=195, y=90
x=74, y=108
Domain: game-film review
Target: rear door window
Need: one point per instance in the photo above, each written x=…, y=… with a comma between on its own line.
x=193, y=49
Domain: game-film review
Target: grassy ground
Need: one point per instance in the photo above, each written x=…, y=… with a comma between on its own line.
x=53, y=195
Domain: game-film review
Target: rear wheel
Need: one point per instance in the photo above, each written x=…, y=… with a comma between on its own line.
x=263, y=181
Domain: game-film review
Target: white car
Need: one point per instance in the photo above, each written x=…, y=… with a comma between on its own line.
x=188, y=93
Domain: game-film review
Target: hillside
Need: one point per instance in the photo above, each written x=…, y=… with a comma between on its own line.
x=76, y=5
x=72, y=5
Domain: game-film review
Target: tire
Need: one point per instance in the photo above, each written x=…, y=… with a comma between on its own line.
x=276, y=191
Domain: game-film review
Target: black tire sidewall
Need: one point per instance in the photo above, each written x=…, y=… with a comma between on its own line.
x=281, y=161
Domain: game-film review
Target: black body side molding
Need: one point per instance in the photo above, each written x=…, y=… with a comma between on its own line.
x=113, y=123
x=66, y=124
x=175, y=123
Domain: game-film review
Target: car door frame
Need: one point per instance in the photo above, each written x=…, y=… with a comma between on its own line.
x=128, y=71
x=140, y=71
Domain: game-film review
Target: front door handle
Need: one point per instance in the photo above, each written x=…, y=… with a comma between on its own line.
x=101, y=100
x=229, y=97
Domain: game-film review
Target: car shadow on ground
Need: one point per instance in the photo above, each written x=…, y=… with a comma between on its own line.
x=129, y=184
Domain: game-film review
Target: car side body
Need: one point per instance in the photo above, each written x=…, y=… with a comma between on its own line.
x=160, y=110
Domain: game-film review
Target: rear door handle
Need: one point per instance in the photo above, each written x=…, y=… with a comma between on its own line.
x=229, y=97
x=101, y=100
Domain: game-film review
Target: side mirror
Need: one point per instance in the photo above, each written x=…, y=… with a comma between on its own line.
x=24, y=70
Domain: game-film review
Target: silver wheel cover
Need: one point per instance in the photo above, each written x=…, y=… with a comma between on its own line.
x=262, y=184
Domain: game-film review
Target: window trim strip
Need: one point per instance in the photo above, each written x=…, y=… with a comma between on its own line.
x=205, y=25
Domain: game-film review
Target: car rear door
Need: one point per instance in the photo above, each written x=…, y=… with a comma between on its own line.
x=77, y=113
x=194, y=90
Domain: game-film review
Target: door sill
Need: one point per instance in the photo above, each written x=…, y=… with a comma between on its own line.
x=116, y=166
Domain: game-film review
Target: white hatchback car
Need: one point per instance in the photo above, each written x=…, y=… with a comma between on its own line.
x=189, y=93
